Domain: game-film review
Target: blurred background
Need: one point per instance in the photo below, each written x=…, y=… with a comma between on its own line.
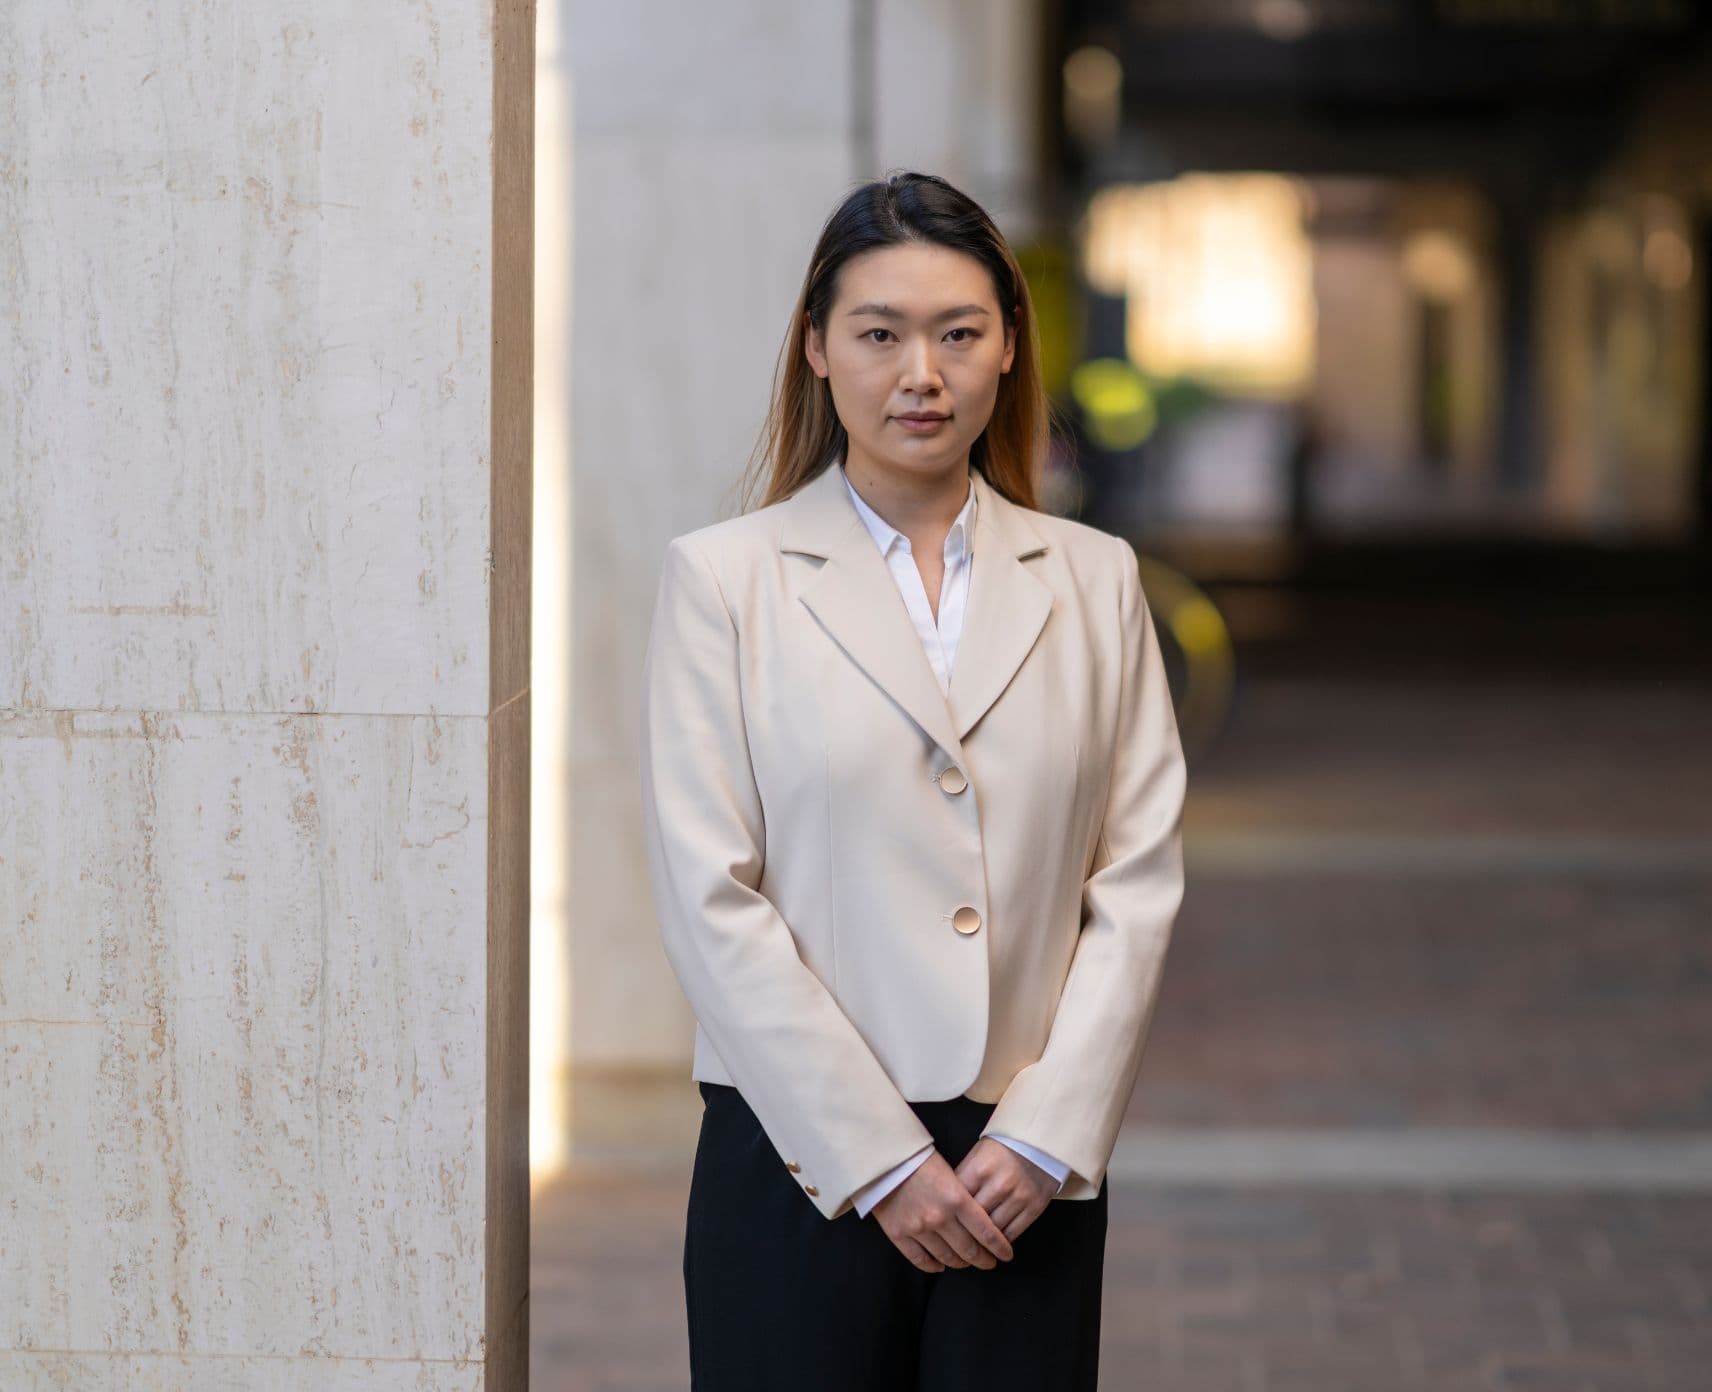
x=1382, y=329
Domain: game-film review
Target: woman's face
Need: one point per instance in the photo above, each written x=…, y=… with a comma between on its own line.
x=913, y=328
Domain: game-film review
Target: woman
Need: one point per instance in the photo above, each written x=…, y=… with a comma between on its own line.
x=912, y=790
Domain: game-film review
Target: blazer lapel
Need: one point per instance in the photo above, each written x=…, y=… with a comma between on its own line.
x=1008, y=605
x=855, y=598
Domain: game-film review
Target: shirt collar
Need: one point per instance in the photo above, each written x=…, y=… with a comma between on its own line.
x=959, y=541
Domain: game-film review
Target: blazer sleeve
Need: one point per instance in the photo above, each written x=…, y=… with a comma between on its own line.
x=1071, y=1101
x=821, y=1095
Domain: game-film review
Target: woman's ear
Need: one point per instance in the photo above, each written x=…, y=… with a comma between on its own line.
x=1010, y=346
x=814, y=347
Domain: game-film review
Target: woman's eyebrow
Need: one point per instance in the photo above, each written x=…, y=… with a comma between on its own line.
x=885, y=311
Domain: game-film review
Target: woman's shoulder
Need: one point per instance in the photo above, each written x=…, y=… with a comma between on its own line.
x=733, y=544
x=1085, y=548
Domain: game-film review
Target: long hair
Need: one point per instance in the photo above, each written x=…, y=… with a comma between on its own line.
x=803, y=435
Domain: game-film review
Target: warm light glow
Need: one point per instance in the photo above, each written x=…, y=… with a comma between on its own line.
x=1283, y=19
x=550, y=619
x=1217, y=271
x=1093, y=92
x=1199, y=627
x=1438, y=264
x=1116, y=404
x=1667, y=259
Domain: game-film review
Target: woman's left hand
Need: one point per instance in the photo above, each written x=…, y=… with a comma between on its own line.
x=1011, y=1187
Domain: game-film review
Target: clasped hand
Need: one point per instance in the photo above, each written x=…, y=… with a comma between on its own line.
x=969, y=1216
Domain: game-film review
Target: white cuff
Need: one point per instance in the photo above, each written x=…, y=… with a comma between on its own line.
x=869, y=1195
x=1054, y=1167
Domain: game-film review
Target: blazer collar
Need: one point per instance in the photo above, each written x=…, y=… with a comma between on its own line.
x=855, y=598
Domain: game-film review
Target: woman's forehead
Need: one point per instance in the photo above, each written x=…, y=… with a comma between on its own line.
x=914, y=280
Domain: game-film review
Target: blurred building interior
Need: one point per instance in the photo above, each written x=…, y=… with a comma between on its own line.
x=1447, y=260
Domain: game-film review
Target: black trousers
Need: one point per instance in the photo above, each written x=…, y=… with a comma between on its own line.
x=780, y=1299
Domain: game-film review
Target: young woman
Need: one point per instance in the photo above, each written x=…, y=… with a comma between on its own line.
x=912, y=790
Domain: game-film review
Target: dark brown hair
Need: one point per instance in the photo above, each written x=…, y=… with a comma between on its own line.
x=803, y=435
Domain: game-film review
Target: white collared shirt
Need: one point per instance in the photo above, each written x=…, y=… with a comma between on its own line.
x=939, y=641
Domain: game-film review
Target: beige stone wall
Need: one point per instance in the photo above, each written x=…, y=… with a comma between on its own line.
x=264, y=558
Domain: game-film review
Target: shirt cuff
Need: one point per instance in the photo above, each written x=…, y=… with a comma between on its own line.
x=869, y=1195
x=1053, y=1166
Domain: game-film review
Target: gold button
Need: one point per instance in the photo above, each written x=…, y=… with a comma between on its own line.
x=810, y=1189
x=793, y=1167
x=951, y=780
x=966, y=920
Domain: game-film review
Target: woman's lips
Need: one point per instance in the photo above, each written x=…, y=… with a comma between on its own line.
x=921, y=427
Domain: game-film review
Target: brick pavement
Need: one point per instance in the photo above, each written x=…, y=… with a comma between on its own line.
x=1470, y=755
x=1239, y=1289
x=1500, y=999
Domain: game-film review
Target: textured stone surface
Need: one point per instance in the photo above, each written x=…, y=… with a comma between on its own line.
x=265, y=311
x=88, y=1372
x=241, y=1034
x=244, y=307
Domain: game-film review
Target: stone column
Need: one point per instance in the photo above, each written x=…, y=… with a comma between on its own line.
x=265, y=321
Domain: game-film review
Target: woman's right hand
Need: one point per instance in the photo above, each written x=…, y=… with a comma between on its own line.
x=934, y=1221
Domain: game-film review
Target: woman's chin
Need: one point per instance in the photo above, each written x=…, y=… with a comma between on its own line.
x=923, y=452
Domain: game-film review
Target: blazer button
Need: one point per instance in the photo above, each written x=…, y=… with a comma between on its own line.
x=793, y=1167
x=966, y=920
x=810, y=1189
x=951, y=780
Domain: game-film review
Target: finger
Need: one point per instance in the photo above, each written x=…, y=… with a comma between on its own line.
x=992, y=1194
x=1022, y=1222
x=956, y=1232
x=967, y=1243
x=1006, y=1212
x=988, y=1233
x=918, y=1255
x=940, y=1248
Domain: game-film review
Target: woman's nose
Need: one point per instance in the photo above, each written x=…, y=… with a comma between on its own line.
x=918, y=369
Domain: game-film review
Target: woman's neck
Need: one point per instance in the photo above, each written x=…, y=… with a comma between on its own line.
x=917, y=505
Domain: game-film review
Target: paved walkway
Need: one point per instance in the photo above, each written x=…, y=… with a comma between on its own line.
x=1253, y=1288
x=1570, y=997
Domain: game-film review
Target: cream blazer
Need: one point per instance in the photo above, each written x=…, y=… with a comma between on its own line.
x=873, y=893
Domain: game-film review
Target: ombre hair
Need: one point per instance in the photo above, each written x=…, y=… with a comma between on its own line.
x=803, y=434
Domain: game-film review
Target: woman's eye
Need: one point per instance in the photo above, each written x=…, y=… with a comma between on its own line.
x=866, y=333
